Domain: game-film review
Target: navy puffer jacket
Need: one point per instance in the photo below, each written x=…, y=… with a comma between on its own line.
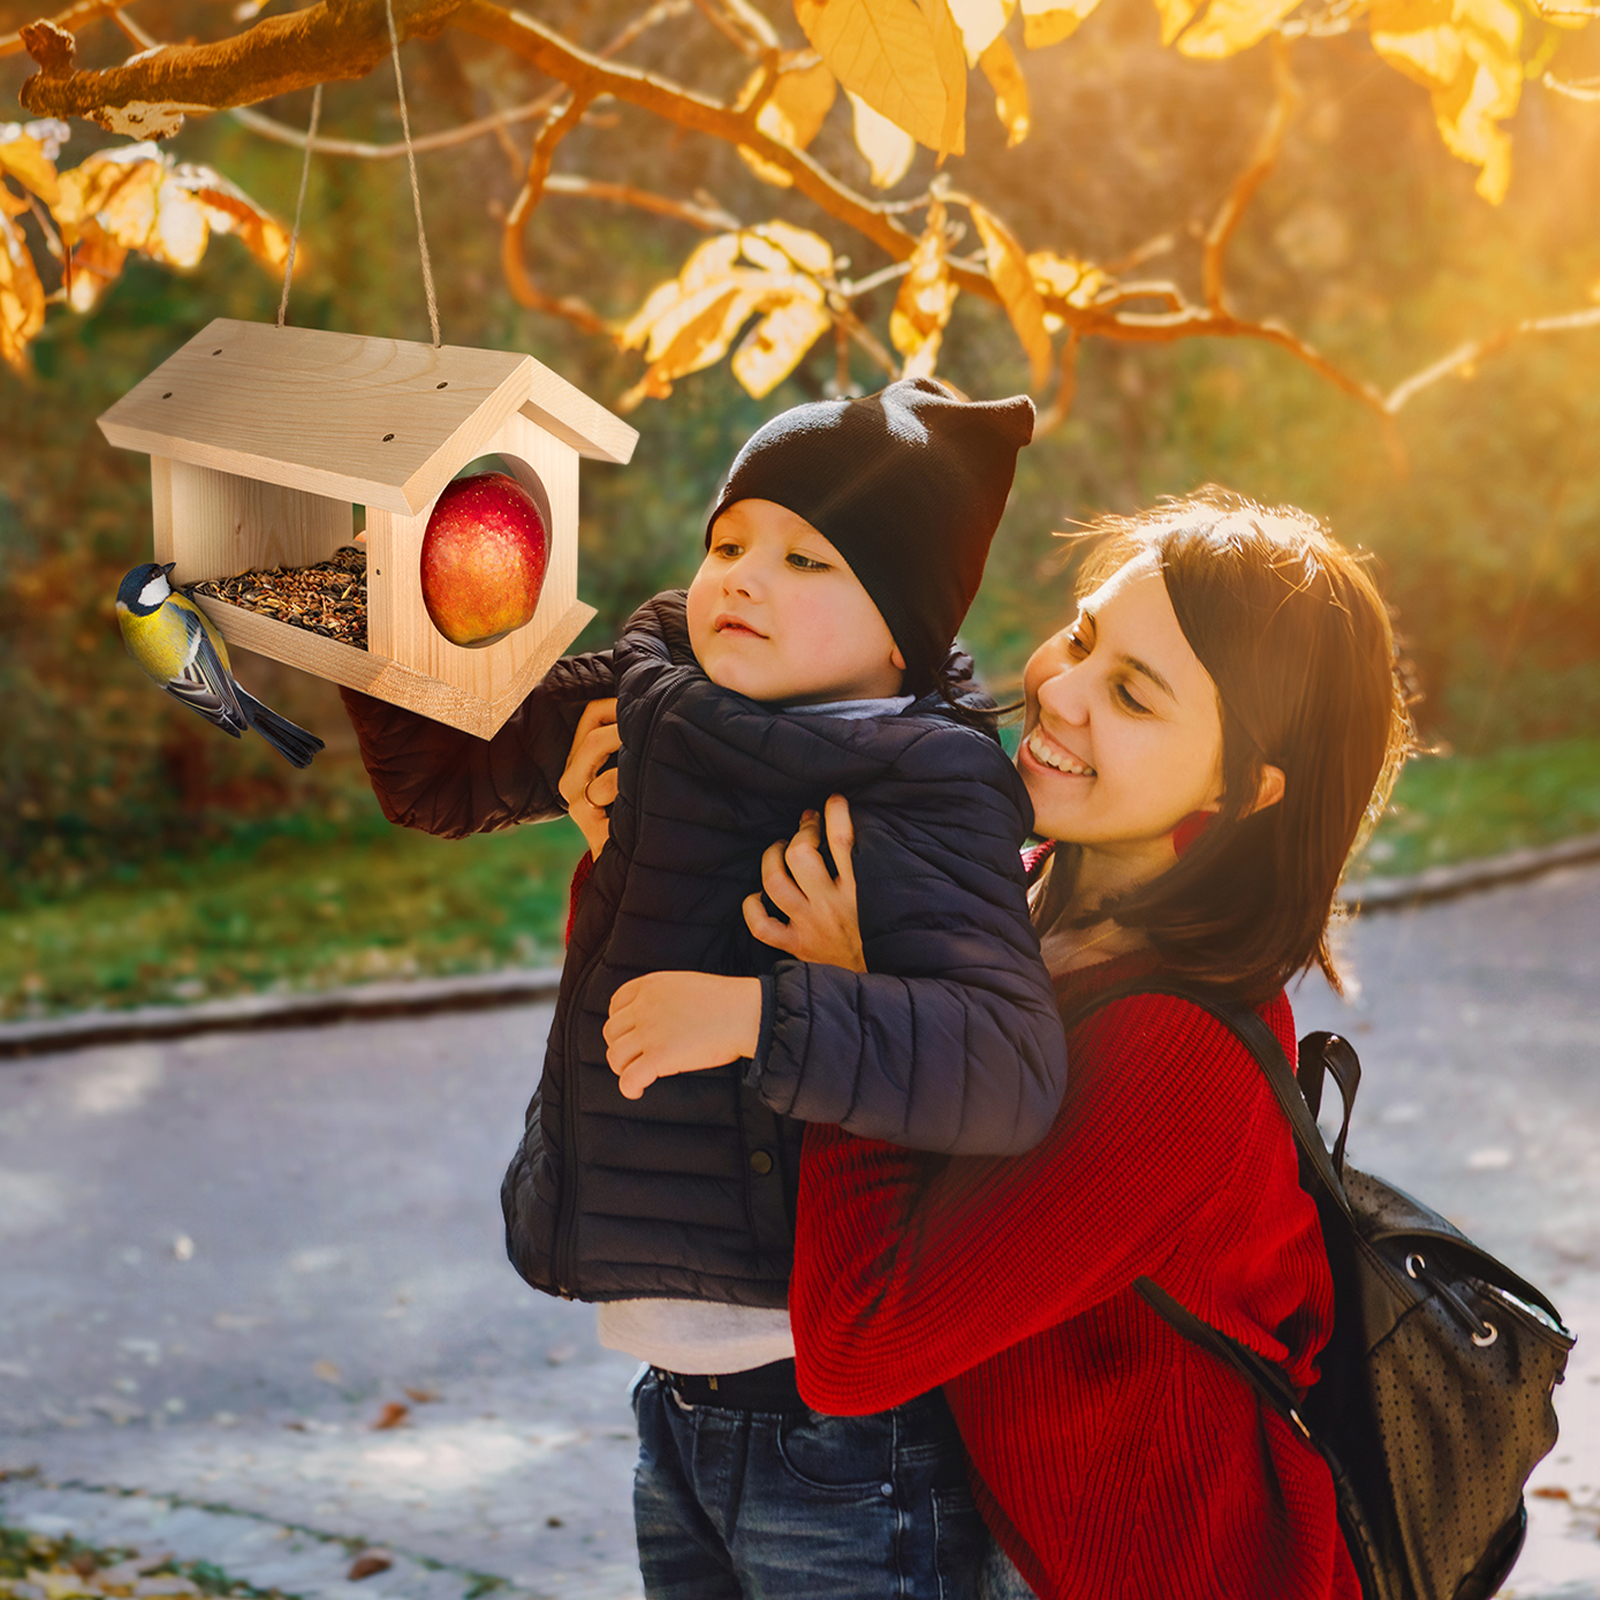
x=951, y=1042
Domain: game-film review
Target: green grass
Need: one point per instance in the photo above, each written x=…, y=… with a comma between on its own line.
x=1461, y=808
x=300, y=910
x=296, y=913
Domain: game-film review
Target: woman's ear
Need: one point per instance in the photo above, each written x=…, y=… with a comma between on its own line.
x=896, y=660
x=1269, y=790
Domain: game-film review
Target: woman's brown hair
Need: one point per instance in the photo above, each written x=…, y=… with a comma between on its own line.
x=1297, y=640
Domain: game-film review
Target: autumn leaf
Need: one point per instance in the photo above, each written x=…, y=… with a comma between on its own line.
x=888, y=148
x=229, y=210
x=1418, y=38
x=1046, y=22
x=922, y=308
x=393, y=1414
x=95, y=264
x=903, y=57
x=1175, y=15
x=980, y=23
x=808, y=251
x=1230, y=26
x=21, y=297
x=368, y=1563
x=793, y=114
x=1001, y=68
x=23, y=157
x=778, y=343
x=1065, y=278
x=1013, y=280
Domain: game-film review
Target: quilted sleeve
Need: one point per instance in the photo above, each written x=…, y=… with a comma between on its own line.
x=440, y=780
x=951, y=1041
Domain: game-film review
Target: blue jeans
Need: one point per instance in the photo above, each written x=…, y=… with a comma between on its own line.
x=752, y=1505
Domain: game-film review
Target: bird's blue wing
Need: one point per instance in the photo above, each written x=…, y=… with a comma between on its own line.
x=204, y=684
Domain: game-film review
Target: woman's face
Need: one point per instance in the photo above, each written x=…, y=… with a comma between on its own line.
x=1123, y=734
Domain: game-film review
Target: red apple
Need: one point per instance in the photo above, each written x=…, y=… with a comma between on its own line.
x=483, y=558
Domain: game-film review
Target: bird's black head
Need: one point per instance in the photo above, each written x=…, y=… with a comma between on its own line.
x=145, y=587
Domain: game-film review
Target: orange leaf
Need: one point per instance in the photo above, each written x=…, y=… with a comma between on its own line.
x=923, y=305
x=229, y=210
x=23, y=157
x=778, y=343
x=21, y=297
x=794, y=114
x=903, y=57
x=1046, y=22
x=1001, y=68
x=393, y=1414
x=1010, y=273
x=888, y=148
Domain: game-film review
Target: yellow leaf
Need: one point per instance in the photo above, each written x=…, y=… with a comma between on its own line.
x=1484, y=93
x=1175, y=17
x=1001, y=68
x=1012, y=277
x=1076, y=282
x=1230, y=26
x=229, y=210
x=709, y=261
x=922, y=307
x=888, y=149
x=697, y=330
x=979, y=23
x=1049, y=21
x=1418, y=38
x=794, y=113
x=777, y=344
x=808, y=251
x=21, y=297
x=657, y=303
x=903, y=57
x=23, y=157
x=96, y=263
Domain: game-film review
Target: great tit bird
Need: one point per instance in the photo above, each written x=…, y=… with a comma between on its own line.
x=174, y=642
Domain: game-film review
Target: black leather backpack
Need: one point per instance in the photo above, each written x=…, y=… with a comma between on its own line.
x=1433, y=1402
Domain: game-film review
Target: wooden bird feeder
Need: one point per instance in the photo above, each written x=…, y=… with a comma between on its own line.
x=263, y=439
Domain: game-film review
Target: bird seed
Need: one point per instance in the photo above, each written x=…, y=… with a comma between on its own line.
x=329, y=597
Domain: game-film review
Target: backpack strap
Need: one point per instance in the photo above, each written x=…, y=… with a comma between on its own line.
x=1262, y=1043
x=1333, y=1054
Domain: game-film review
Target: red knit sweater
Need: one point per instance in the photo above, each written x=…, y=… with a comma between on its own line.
x=1111, y=1458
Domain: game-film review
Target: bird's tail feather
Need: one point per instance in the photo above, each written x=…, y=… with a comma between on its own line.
x=291, y=741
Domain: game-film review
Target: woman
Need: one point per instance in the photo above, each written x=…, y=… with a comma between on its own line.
x=1205, y=744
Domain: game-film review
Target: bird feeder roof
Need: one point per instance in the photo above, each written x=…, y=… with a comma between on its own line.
x=378, y=422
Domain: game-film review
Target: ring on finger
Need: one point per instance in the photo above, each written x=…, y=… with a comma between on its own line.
x=588, y=798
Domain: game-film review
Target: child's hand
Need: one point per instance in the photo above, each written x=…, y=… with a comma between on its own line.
x=586, y=789
x=670, y=1022
x=823, y=925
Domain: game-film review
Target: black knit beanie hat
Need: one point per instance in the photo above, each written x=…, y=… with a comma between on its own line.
x=907, y=485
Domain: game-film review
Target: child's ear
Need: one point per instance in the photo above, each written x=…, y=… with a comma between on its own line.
x=1269, y=791
x=897, y=660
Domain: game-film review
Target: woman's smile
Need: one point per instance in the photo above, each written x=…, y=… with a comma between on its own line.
x=1041, y=748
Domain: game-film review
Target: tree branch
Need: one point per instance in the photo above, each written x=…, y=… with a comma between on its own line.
x=358, y=150
x=1066, y=389
x=1463, y=359
x=512, y=260
x=75, y=16
x=333, y=40
x=1232, y=210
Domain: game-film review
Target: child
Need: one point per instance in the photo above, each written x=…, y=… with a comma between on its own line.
x=811, y=656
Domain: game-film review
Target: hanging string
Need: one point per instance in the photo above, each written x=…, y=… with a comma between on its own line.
x=411, y=162
x=300, y=204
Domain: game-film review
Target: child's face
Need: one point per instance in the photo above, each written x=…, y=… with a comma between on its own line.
x=775, y=613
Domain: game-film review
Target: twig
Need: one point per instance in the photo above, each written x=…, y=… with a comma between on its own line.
x=75, y=16
x=512, y=260
x=1586, y=89
x=724, y=24
x=1469, y=354
x=359, y=150
x=1066, y=389
x=1245, y=185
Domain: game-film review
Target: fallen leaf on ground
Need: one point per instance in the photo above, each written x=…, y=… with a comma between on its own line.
x=325, y=1370
x=422, y=1397
x=393, y=1414
x=368, y=1563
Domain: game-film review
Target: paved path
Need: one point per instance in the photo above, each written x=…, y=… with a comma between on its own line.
x=222, y=1257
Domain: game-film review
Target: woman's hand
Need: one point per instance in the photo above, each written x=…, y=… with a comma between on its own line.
x=670, y=1022
x=823, y=925
x=586, y=789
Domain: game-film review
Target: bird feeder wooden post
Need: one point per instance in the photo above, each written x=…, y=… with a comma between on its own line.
x=262, y=440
